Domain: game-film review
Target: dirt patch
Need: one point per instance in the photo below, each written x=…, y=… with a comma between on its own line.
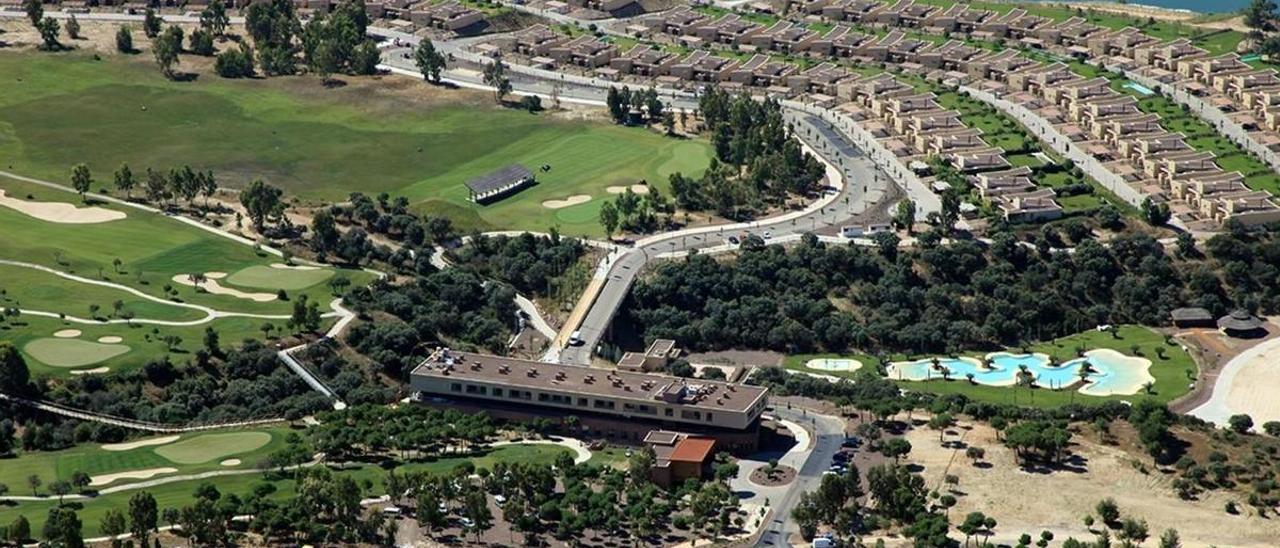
x=1017, y=498
x=570, y=201
x=67, y=333
x=140, y=443
x=132, y=474
x=780, y=475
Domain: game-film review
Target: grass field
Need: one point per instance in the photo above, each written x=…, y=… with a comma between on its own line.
x=178, y=494
x=59, y=110
x=1170, y=372
x=144, y=341
x=58, y=352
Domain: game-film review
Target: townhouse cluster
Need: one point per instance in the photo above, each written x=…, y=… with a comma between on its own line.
x=915, y=127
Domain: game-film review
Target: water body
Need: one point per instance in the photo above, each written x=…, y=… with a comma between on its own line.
x=1203, y=6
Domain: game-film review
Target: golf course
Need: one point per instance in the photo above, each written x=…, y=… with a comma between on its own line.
x=233, y=454
x=60, y=110
x=115, y=293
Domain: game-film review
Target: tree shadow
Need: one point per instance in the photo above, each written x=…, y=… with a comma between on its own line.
x=184, y=77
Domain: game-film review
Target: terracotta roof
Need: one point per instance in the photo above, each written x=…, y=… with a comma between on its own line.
x=693, y=450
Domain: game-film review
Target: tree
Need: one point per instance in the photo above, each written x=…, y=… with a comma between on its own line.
x=609, y=218
x=430, y=62
x=201, y=42
x=73, y=27
x=235, y=62
x=1170, y=539
x=35, y=11
x=124, y=180
x=124, y=39
x=211, y=340
x=60, y=488
x=113, y=525
x=14, y=376
x=20, y=530
x=1108, y=511
x=1240, y=423
x=531, y=103
x=166, y=48
x=262, y=202
x=365, y=58
x=495, y=75
x=1157, y=214
x=214, y=19
x=477, y=510
x=81, y=480
x=34, y=482
x=905, y=215
x=62, y=528
x=81, y=179
x=1258, y=17
x=48, y=28
x=941, y=422
x=142, y=516
x=151, y=24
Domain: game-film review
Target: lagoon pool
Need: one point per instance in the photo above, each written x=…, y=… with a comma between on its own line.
x=1111, y=373
x=1140, y=88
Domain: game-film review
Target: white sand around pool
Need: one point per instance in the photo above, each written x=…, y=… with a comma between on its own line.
x=1247, y=385
x=132, y=474
x=294, y=267
x=570, y=201
x=1131, y=374
x=67, y=333
x=230, y=462
x=61, y=212
x=140, y=443
x=212, y=286
x=94, y=371
x=833, y=364
x=110, y=339
x=619, y=189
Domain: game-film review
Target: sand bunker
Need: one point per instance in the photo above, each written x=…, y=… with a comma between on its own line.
x=132, y=474
x=1247, y=385
x=230, y=462
x=570, y=201
x=110, y=339
x=619, y=189
x=211, y=285
x=94, y=371
x=61, y=212
x=833, y=364
x=67, y=334
x=140, y=443
x=294, y=267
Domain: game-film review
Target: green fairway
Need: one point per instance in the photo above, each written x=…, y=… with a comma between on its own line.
x=151, y=249
x=179, y=494
x=211, y=447
x=58, y=352
x=36, y=290
x=95, y=460
x=144, y=342
x=60, y=110
x=268, y=277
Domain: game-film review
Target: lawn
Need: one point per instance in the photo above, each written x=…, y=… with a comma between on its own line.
x=1171, y=371
x=144, y=341
x=152, y=249
x=92, y=459
x=59, y=110
x=179, y=494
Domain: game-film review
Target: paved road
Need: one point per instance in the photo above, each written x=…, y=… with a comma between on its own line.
x=829, y=434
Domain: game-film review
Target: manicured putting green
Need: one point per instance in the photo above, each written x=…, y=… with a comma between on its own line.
x=278, y=278
x=210, y=447
x=71, y=352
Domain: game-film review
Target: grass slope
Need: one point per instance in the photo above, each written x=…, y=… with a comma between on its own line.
x=59, y=110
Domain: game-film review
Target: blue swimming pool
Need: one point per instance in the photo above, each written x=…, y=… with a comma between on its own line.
x=1109, y=372
x=1140, y=88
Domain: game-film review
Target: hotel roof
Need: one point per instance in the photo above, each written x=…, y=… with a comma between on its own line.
x=640, y=387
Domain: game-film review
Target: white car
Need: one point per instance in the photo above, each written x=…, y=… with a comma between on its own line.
x=467, y=523
x=500, y=499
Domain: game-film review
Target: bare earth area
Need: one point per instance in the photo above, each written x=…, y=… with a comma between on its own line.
x=1247, y=384
x=1029, y=502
